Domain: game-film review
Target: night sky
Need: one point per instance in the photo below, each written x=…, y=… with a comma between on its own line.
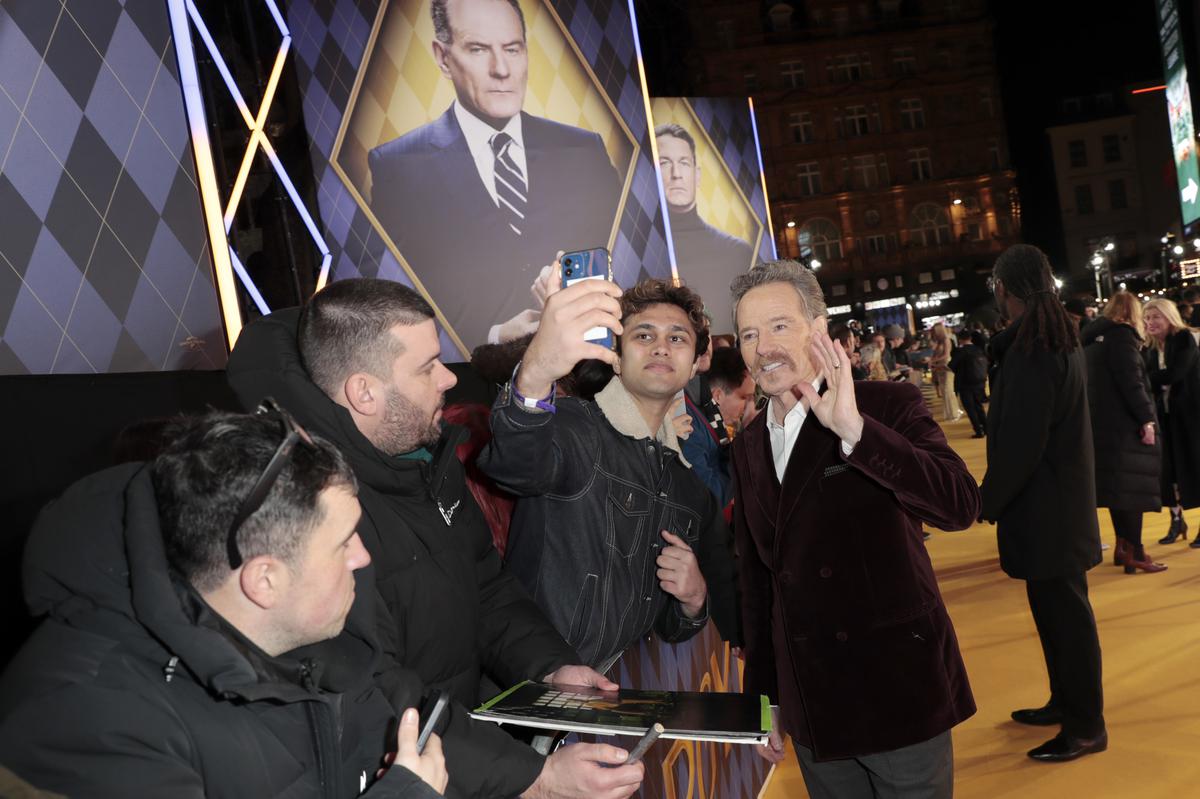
x=1049, y=49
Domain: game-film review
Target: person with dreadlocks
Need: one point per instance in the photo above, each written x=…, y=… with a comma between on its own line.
x=1040, y=490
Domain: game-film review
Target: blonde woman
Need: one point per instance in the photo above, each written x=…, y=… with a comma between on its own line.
x=872, y=362
x=1173, y=364
x=943, y=378
x=1124, y=427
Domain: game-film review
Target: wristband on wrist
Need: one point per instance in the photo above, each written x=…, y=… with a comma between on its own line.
x=544, y=404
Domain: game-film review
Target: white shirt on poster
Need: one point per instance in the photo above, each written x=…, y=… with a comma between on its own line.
x=479, y=140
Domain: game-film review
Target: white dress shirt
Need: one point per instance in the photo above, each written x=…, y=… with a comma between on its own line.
x=479, y=140
x=783, y=436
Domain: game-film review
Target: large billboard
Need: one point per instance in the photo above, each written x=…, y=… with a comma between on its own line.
x=711, y=172
x=1179, y=111
x=459, y=165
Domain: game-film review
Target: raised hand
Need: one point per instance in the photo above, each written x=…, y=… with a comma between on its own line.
x=836, y=409
x=559, y=343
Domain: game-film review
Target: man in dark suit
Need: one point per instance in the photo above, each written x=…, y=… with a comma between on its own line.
x=480, y=199
x=708, y=258
x=844, y=627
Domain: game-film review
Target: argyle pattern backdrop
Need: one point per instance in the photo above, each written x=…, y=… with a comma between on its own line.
x=330, y=41
x=103, y=258
x=729, y=126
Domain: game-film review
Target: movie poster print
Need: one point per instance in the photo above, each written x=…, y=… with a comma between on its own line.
x=481, y=143
x=716, y=231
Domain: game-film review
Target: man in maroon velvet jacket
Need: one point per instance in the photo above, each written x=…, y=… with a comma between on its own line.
x=844, y=627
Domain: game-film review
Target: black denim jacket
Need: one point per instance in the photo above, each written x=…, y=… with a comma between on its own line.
x=585, y=534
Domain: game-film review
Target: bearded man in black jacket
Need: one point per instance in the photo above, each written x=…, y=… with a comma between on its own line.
x=361, y=367
x=202, y=637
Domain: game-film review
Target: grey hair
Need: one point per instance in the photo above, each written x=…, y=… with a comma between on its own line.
x=442, y=30
x=812, y=298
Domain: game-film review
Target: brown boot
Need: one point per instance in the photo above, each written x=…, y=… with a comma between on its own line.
x=1120, y=551
x=1136, y=558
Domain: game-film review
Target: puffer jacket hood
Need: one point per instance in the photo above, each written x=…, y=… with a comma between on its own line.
x=119, y=575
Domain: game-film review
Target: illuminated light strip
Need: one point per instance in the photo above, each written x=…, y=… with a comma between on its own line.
x=206, y=176
x=257, y=134
x=202, y=29
x=762, y=175
x=1149, y=89
x=662, y=195
x=251, y=289
x=226, y=261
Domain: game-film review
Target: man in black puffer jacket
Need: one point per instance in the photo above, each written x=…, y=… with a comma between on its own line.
x=361, y=367
x=165, y=670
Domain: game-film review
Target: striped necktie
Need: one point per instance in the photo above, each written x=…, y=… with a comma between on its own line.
x=510, y=183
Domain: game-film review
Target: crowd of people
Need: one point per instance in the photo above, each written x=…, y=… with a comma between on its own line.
x=257, y=609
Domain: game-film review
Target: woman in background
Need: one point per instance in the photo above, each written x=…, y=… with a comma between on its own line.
x=1124, y=429
x=943, y=378
x=872, y=362
x=1173, y=364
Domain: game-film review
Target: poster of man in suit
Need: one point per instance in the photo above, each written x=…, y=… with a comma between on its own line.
x=482, y=145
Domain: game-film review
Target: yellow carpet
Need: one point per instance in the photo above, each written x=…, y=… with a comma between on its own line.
x=1150, y=636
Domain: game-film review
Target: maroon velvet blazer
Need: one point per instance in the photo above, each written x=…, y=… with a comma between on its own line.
x=844, y=626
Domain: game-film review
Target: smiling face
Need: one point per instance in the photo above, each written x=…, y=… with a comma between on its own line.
x=658, y=352
x=1157, y=325
x=774, y=333
x=486, y=58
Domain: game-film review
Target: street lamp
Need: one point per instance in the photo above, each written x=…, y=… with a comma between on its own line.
x=814, y=264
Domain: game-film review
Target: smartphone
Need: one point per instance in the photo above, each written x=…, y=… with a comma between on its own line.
x=434, y=709
x=593, y=264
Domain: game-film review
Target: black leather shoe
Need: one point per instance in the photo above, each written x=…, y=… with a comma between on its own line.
x=1046, y=716
x=1062, y=748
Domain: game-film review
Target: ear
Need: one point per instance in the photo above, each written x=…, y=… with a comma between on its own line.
x=363, y=394
x=264, y=581
x=441, y=55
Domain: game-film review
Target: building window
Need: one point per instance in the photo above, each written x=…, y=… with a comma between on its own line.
x=1117, y=200
x=781, y=17
x=985, y=103
x=856, y=121
x=847, y=68
x=1111, y=146
x=994, y=155
x=750, y=81
x=944, y=59
x=1083, y=200
x=725, y=33
x=866, y=174
x=821, y=239
x=801, y=125
x=885, y=177
x=792, y=74
x=929, y=225
x=904, y=61
x=875, y=245
x=1077, y=151
x=912, y=114
x=808, y=176
x=920, y=164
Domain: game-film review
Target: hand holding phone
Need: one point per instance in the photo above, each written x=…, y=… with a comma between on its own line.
x=590, y=264
x=433, y=709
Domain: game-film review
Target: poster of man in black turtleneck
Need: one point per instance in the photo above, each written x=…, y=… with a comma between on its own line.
x=714, y=228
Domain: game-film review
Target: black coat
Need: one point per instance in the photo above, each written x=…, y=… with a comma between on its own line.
x=134, y=686
x=1127, y=471
x=1181, y=419
x=1040, y=487
x=455, y=615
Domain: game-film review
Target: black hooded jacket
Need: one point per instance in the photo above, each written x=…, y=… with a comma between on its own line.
x=454, y=614
x=134, y=686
